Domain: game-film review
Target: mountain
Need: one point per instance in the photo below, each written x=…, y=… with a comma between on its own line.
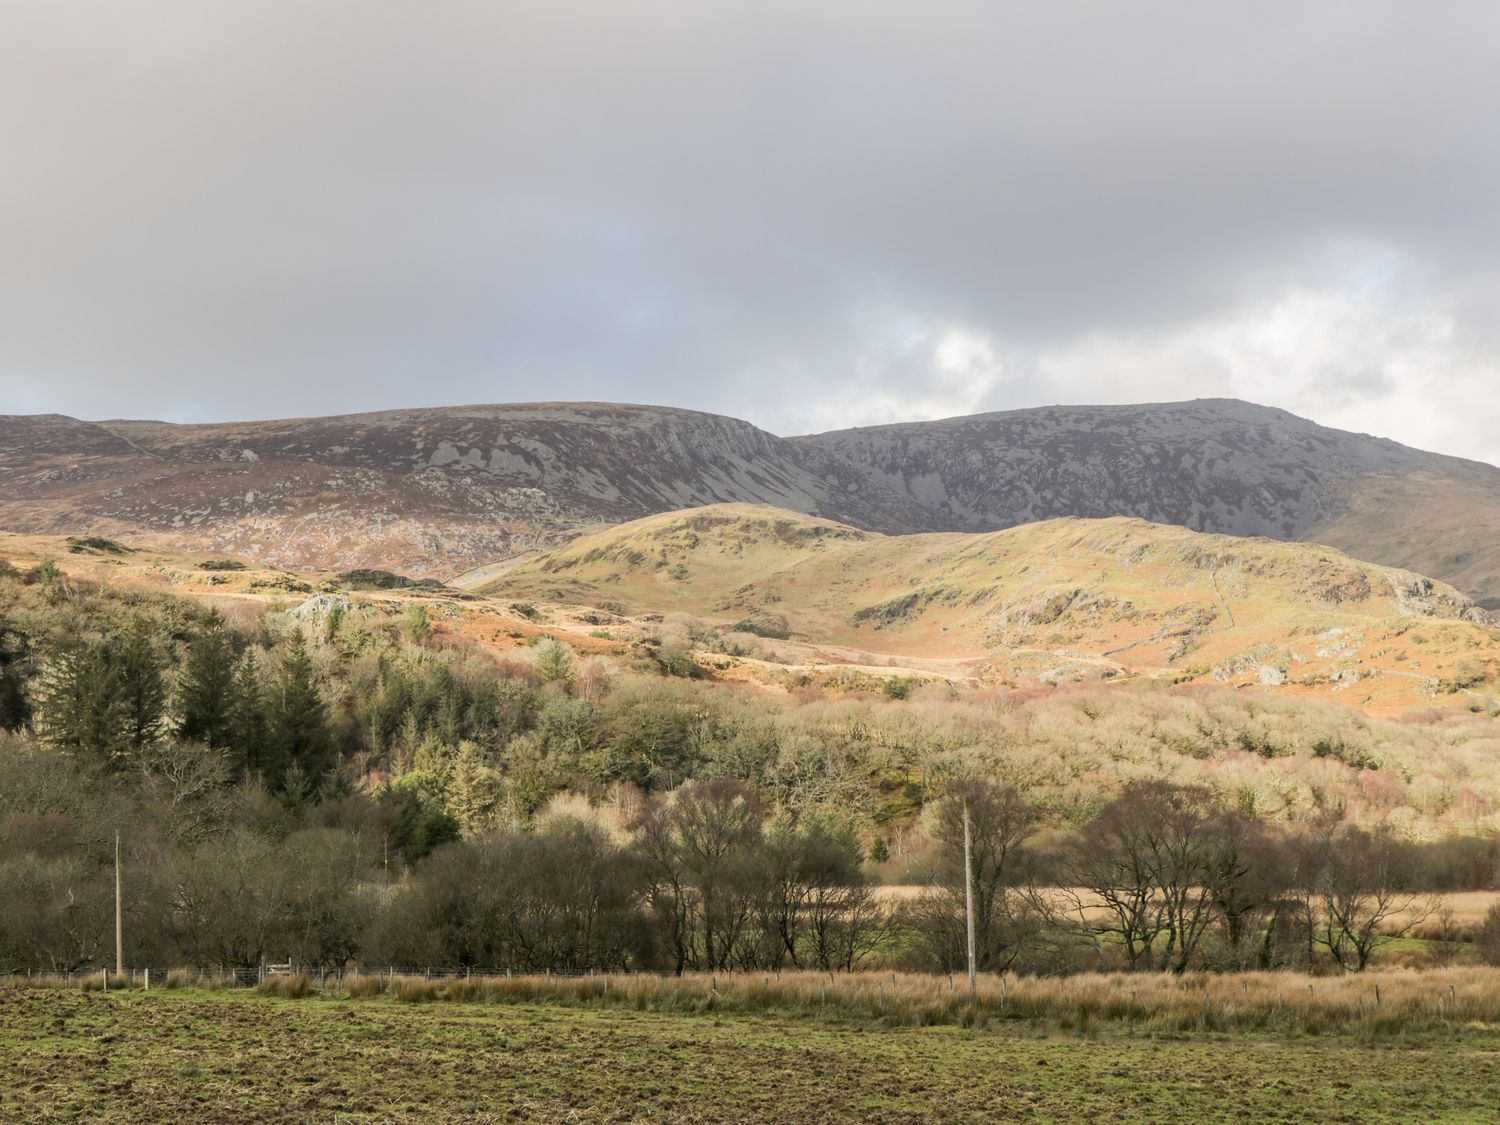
x=440, y=491
x=424, y=491
x=1216, y=465
x=1057, y=599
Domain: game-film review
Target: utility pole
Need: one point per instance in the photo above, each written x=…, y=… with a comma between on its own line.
x=119, y=922
x=969, y=897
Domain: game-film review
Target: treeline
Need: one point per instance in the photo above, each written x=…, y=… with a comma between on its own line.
x=703, y=878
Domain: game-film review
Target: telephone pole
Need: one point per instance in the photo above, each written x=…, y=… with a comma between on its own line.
x=119, y=917
x=969, y=897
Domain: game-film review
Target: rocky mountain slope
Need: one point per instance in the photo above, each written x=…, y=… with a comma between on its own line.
x=1048, y=601
x=1211, y=465
x=437, y=492
x=423, y=491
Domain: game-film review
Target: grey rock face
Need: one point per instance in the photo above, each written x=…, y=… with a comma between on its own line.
x=1214, y=465
x=426, y=491
x=435, y=492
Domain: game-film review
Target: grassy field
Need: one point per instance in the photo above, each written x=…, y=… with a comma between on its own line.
x=208, y=1057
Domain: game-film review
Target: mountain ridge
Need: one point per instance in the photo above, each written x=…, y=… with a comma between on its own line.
x=1219, y=465
x=439, y=490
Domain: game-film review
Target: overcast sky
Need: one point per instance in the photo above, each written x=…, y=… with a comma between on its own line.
x=810, y=215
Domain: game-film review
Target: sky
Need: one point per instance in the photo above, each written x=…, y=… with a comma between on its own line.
x=807, y=214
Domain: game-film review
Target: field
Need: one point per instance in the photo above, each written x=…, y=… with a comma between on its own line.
x=207, y=1057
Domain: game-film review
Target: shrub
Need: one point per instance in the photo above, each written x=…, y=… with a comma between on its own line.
x=80, y=544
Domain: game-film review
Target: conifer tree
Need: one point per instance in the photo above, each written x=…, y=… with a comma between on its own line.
x=297, y=719
x=472, y=791
x=75, y=694
x=142, y=690
x=206, y=696
x=247, y=720
x=104, y=697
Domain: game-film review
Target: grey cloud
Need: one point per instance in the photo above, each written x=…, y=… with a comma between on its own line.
x=251, y=209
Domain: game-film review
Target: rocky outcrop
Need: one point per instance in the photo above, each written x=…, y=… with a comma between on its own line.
x=1215, y=465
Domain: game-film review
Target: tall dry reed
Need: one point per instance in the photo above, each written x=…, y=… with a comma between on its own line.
x=1380, y=1002
x=1384, y=1002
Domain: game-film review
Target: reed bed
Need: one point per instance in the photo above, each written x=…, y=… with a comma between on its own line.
x=1382, y=1002
x=1385, y=1002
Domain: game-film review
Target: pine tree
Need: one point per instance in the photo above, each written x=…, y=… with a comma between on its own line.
x=76, y=686
x=206, y=696
x=554, y=661
x=142, y=690
x=297, y=719
x=104, y=697
x=473, y=790
x=418, y=625
x=247, y=723
x=296, y=786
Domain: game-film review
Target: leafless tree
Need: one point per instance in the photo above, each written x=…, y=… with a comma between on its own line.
x=1141, y=871
x=1000, y=821
x=704, y=870
x=192, y=780
x=818, y=909
x=1359, y=899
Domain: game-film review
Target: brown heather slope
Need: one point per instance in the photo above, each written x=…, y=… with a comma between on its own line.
x=1216, y=465
x=427, y=492
x=438, y=492
x=1051, y=601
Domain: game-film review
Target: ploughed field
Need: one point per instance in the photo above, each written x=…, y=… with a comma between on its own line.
x=206, y=1057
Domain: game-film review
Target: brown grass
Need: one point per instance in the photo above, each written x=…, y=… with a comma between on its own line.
x=360, y=985
x=1445, y=916
x=289, y=987
x=1383, y=1002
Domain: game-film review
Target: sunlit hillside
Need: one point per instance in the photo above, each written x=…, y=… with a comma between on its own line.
x=1054, y=601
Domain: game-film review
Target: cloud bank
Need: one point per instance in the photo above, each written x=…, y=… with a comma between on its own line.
x=810, y=215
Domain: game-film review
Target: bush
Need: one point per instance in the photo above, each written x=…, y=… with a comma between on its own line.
x=80, y=544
